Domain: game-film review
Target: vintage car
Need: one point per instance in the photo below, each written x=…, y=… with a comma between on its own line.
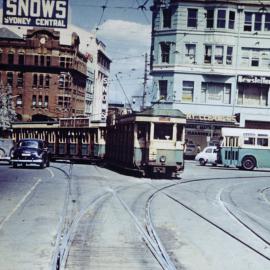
x=30, y=151
x=6, y=148
x=208, y=155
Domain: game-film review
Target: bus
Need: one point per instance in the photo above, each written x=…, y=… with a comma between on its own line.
x=245, y=148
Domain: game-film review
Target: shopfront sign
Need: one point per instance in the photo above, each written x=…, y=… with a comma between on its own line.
x=39, y=13
x=211, y=118
x=253, y=79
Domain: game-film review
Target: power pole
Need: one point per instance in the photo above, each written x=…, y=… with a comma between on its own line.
x=144, y=82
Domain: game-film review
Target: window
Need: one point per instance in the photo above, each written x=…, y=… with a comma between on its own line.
x=210, y=18
x=221, y=18
x=165, y=52
x=20, y=79
x=249, y=140
x=215, y=93
x=190, y=53
x=48, y=61
x=36, y=60
x=167, y=17
x=209, y=150
x=163, y=131
x=192, y=17
x=47, y=81
x=62, y=61
x=255, y=58
x=19, y=100
x=42, y=60
x=180, y=132
x=208, y=54
x=34, y=100
x=229, y=55
x=262, y=141
x=46, y=101
x=35, y=80
x=267, y=22
x=258, y=22
x=10, y=78
x=219, y=50
x=21, y=59
x=39, y=101
x=41, y=80
x=163, y=91
x=187, y=92
x=10, y=58
x=248, y=21
x=252, y=95
x=231, y=19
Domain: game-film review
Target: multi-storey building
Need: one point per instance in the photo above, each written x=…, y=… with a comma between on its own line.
x=47, y=78
x=211, y=59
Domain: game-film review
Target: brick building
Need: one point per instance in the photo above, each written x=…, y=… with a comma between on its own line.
x=48, y=79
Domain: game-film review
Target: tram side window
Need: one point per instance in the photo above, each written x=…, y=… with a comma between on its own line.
x=180, y=129
x=249, y=140
x=262, y=141
x=163, y=131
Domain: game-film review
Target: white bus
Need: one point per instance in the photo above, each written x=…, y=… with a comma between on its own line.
x=245, y=148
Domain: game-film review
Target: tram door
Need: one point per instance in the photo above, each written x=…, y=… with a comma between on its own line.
x=232, y=151
x=62, y=143
x=51, y=142
x=85, y=144
x=73, y=144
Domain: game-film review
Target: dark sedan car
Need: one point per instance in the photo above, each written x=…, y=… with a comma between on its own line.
x=30, y=151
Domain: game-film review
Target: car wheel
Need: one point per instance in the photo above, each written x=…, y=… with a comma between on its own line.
x=248, y=163
x=23, y=165
x=14, y=165
x=48, y=163
x=202, y=162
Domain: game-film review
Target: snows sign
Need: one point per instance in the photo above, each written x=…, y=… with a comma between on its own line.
x=40, y=13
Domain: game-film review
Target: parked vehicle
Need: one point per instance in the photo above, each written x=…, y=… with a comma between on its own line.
x=207, y=155
x=30, y=151
x=6, y=146
x=190, y=150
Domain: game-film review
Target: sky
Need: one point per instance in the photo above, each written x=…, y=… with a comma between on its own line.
x=126, y=31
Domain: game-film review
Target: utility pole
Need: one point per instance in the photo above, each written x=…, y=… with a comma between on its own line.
x=144, y=82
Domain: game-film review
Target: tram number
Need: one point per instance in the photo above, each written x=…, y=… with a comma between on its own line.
x=159, y=170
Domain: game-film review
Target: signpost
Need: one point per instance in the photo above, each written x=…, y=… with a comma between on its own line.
x=38, y=13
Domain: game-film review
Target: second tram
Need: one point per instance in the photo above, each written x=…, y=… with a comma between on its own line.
x=151, y=141
x=245, y=148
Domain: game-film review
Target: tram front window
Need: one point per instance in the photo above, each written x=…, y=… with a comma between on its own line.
x=163, y=131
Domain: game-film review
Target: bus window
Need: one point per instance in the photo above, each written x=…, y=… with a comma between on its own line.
x=262, y=141
x=249, y=141
x=163, y=131
x=179, y=133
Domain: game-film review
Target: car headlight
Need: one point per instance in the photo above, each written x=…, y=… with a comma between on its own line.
x=162, y=159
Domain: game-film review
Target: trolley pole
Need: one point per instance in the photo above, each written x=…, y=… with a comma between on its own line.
x=144, y=82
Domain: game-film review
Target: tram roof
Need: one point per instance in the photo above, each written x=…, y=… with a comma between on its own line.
x=162, y=112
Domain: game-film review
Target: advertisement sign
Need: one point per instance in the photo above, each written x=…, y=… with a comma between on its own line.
x=38, y=13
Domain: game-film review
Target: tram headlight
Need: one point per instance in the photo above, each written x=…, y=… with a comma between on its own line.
x=162, y=159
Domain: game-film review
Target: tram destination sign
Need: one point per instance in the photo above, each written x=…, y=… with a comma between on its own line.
x=38, y=13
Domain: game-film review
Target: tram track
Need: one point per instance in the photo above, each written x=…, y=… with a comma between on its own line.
x=206, y=219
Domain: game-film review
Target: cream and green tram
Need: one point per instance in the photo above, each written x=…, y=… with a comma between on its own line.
x=245, y=148
x=151, y=142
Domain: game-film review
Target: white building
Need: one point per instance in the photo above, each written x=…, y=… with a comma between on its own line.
x=211, y=59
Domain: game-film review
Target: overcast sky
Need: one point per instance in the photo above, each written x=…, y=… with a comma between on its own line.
x=126, y=31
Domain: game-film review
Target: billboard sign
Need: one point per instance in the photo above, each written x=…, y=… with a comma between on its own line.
x=38, y=13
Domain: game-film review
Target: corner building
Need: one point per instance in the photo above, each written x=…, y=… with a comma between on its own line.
x=47, y=79
x=211, y=60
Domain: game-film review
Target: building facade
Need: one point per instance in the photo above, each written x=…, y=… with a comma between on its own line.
x=211, y=59
x=48, y=79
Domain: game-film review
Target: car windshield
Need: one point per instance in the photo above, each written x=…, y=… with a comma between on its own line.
x=30, y=144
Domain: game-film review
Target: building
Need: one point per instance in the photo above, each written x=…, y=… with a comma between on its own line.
x=211, y=59
x=47, y=78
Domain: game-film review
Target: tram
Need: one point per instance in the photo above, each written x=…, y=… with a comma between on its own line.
x=67, y=139
x=150, y=142
x=245, y=148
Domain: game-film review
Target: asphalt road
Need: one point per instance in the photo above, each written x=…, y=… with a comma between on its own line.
x=87, y=217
